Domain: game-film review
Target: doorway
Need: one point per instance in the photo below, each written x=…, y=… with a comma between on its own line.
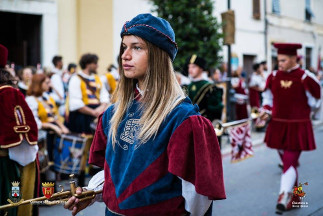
x=20, y=33
x=248, y=61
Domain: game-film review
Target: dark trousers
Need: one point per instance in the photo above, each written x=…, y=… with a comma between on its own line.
x=79, y=122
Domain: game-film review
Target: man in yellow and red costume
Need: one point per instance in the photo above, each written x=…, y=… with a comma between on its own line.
x=289, y=96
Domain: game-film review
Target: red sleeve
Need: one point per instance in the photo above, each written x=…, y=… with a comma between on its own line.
x=267, y=107
x=194, y=155
x=97, y=151
x=312, y=85
x=268, y=81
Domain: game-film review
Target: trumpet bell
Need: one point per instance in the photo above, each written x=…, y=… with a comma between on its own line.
x=218, y=128
x=218, y=132
x=254, y=113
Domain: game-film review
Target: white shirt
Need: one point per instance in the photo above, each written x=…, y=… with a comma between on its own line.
x=24, y=153
x=22, y=85
x=33, y=105
x=75, y=92
x=105, y=83
x=185, y=80
x=115, y=74
x=57, y=83
x=257, y=80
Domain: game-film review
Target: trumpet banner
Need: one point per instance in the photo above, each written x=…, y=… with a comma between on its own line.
x=240, y=139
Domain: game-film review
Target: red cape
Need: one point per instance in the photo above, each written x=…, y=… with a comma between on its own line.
x=16, y=120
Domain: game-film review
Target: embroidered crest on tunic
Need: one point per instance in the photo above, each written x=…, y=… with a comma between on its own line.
x=130, y=131
x=286, y=83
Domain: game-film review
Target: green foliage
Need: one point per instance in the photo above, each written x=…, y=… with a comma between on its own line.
x=196, y=30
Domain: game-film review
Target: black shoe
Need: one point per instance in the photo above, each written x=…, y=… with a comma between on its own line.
x=279, y=212
x=280, y=165
x=280, y=208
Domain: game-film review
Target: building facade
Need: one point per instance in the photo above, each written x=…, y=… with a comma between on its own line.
x=30, y=30
x=260, y=23
x=300, y=22
x=36, y=30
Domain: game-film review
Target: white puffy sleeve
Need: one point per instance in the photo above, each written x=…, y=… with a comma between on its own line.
x=33, y=105
x=195, y=203
x=75, y=94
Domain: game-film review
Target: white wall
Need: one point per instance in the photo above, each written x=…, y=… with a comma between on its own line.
x=49, y=28
x=317, y=7
x=296, y=10
x=125, y=10
x=283, y=35
x=290, y=26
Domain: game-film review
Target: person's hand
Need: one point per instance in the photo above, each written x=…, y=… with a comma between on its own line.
x=56, y=129
x=65, y=130
x=98, y=111
x=74, y=204
x=264, y=116
x=95, y=113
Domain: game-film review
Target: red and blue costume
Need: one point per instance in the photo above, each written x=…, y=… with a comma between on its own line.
x=146, y=178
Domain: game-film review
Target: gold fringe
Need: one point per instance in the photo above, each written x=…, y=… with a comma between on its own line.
x=28, y=180
x=86, y=151
x=241, y=159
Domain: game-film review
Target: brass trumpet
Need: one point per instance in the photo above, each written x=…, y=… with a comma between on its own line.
x=221, y=127
x=56, y=198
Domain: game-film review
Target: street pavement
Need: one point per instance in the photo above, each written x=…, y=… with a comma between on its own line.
x=252, y=185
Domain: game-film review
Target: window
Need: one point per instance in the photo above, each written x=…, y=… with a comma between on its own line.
x=308, y=11
x=248, y=61
x=276, y=7
x=256, y=9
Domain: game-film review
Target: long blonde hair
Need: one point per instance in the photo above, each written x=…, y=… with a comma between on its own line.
x=162, y=94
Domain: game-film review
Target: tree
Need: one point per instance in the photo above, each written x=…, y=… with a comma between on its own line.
x=196, y=30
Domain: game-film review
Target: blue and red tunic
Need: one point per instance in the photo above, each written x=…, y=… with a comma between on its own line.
x=145, y=178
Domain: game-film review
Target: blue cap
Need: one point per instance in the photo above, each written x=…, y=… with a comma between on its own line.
x=153, y=29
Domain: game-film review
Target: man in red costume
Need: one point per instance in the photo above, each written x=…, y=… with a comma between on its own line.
x=18, y=144
x=289, y=96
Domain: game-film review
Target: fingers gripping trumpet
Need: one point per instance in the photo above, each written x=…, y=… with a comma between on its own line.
x=55, y=198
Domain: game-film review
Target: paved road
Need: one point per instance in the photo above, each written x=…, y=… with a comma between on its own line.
x=252, y=186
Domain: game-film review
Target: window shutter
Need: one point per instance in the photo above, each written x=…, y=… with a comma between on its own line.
x=256, y=9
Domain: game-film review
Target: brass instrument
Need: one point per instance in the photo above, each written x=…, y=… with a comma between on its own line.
x=56, y=198
x=221, y=127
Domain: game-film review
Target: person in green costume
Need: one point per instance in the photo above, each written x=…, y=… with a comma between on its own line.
x=203, y=93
